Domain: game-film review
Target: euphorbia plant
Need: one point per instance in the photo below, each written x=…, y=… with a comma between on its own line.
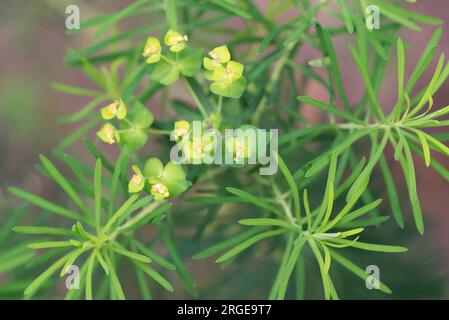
x=320, y=203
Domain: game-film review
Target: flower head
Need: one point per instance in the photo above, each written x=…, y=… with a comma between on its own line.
x=116, y=109
x=175, y=40
x=181, y=129
x=159, y=191
x=232, y=71
x=216, y=57
x=137, y=181
x=109, y=134
x=152, y=50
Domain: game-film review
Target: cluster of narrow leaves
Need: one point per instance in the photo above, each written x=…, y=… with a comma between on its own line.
x=324, y=229
x=301, y=211
x=94, y=237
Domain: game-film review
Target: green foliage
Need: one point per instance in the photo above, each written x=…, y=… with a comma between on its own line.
x=313, y=211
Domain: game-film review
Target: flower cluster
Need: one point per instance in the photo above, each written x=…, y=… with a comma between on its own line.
x=226, y=75
x=200, y=145
x=161, y=182
x=152, y=52
x=108, y=132
x=133, y=124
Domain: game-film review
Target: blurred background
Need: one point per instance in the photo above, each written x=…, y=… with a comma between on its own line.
x=33, y=42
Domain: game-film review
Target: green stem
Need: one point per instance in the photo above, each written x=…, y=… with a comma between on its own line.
x=197, y=100
x=158, y=131
x=171, y=62
x=220, y=104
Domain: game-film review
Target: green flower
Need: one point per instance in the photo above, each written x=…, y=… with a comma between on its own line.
x=116, y=109
x=239, y=148
x=175, y=41
x=193, y=150
x=152, y=50
x=167, y=181
x=229, y=89
x=159, y=191
x=134, y=130
x=226, y=75
x=240, y=145
x=231, y=72
x=217, y=56
x=109, y=134
x=137, y=181
x=181, y=129
x=186, y=63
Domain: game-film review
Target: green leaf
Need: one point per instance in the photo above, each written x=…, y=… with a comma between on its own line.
x=424, y=61
x=132, y=255
x=15, y=257
x=328, y=108
x=187, y=63
x=285, y=274
x=425, y=147
x=186, y=278
x=43, y=230
x=260, y=202
x=328, y=199
x=324, y=275
x=115, y=283
x=121, y=163
x=44, y=276
x=291, y=183
x=401, y=67
x=246, y=244
x=356, y=270
x=392, y=193
x=63, y=183
x=359, y=212
x=44, y=204
x=170, y=11
x=156, y=276
x=90, y=269
x=334, y=64
x=369, y=246
x=153, y=255
x=190, y=61
x=97, y=154
x=174, y=178
x=266, y=222
x=346, y=16
x=165, y=73
x=229, y=89
x=226, y=244
x=365, y=73
x=77, y=91
x=410, y=177
x=97, y=193
x=117, y=16
x=121, y=211
x=50, y=244
x=234, y=9
x=134, y=130
x=361, y=183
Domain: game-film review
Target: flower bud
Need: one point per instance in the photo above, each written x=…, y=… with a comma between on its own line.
x=181, y=129
x=116, y=109
x=152, y=50
x=175, y=41
x=159, y=191
x=137, y=182
x=109, y=134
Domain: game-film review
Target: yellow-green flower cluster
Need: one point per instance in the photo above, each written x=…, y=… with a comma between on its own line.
x=162, y=182
x=220, y=66
x=176, y=42
x=115, y=110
